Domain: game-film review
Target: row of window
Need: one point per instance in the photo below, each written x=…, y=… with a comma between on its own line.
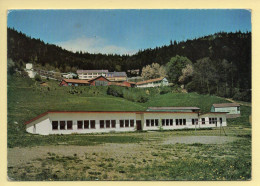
x=90, y=124
x=165, y=122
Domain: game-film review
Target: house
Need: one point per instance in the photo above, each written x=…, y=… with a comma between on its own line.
x=29, y=69
x=116, y=76
x=99, y=81
x=162, y=81
x=74, y=82
x=69, y=122
x=90, y=74
x=232, y=109
x=69, y=75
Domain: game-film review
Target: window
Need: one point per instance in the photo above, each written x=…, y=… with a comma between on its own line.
x=102, y=124
x=213, y=120
x=107, y=123
x=92, y=124
x=163, y=122
x=180, y=121
x=86, y=124
x=171, y=122
x=121, y=123
x=203, y=121
x=209, y=120
x=148, y=123
x=54, y=125
x=69, y=124
x=167, y=122
x=126, y=123
x=113, y=123
x=132, y=123
x=80, y=124
x=156, y=122
x=238, y=108
x=184, y=121
x=177, y=121
x=220, y=119
x=194, y=121
x=152, y=122
x=62, y=125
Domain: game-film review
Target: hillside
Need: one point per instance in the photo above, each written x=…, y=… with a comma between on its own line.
x=226, y=58
x=27, y=99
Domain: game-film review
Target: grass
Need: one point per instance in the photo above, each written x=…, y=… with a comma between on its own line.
x=149, y=160
x=141, y=155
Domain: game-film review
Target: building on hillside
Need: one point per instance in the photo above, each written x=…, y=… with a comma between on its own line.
x=69, y=75
x=174, y=109
x=68, y=122
x=116, y=76
x=232, y=109
x=74, y=82
x=90, y=74
x=162, y=81
x=99, y=81
x=29, y=69
x=123, y=84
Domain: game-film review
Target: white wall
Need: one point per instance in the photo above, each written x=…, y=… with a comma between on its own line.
x=44, y=125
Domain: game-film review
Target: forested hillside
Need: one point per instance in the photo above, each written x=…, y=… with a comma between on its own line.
x=221, y=62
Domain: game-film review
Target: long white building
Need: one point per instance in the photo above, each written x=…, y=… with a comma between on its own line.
x=68, y=122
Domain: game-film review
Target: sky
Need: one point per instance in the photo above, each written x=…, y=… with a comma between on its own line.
x=124, y=31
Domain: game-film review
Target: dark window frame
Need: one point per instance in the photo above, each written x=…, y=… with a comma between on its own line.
x=156, y=121
x=122, y=123
x=92, y=123
x=78, y=124
x=102, y=124
x=57, y=125
x=127, y=123
x=69, y=122
x=132, y=123
x=64, y=126
x=113, y=123
x=86, y=124
x=147, y=122
x=108, y=123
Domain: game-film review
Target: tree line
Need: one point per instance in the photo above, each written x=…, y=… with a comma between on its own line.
x=215, y=64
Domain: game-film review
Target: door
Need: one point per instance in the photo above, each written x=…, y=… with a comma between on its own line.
x=138, y=125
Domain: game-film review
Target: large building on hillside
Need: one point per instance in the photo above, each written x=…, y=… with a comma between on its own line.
x=69, y=122
x=90, y=74
x=116, y=76
x=162, y=81
x=232, y=109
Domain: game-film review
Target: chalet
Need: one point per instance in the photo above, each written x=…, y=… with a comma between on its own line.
x=90, y=74
x=74, y=82
x=116, y=76
x=69, y=122
x=99, y=81
x=162, y=81
x=232, y=109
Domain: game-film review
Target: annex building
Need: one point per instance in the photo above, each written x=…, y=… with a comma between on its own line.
x=69, y=122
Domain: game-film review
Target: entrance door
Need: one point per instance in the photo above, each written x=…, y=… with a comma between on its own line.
x=138, y=125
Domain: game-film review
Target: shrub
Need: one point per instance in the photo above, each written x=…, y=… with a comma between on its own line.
x=37, y=77
x=115, y=91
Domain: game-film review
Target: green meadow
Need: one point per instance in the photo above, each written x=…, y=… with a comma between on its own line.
x=143, y=155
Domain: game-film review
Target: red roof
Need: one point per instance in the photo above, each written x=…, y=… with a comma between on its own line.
x=149, y=81
x=76, y=81
x=137, y=112
x=97, y=78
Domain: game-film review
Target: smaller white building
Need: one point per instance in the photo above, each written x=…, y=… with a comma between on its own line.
x=162, y=81
x=232, y=109
x=29, y=69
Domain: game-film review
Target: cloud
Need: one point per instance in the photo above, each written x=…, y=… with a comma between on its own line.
x=94, y=45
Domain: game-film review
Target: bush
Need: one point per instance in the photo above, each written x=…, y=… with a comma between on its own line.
x=115, y=91
x=37, y=77
x=165, y=90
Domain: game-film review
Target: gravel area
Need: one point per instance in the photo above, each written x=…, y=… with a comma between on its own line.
x=199, y=139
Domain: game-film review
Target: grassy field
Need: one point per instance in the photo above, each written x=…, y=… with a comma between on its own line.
x=119, y=156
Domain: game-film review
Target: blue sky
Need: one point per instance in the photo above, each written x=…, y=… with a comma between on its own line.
x=124, y=31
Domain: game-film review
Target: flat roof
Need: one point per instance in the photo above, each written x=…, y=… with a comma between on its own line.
x=174, y=108
x=219, y=105
x=136, y=112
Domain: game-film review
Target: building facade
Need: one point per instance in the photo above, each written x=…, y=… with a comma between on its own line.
x=90, y=74
x=116, y=76
x=153, y=83
x=232, y=109
x=69, y=122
